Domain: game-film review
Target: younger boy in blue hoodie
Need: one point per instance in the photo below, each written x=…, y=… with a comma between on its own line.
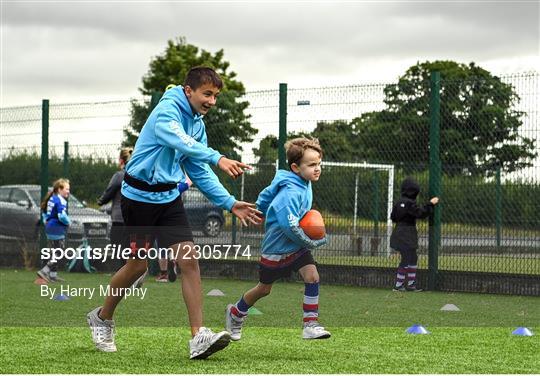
x=285, y=247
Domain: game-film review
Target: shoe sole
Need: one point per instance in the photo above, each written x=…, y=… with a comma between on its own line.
x=43, y=276
x=220, y=344
x=324, y=336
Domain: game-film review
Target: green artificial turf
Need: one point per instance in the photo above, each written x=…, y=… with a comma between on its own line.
x=368, y=326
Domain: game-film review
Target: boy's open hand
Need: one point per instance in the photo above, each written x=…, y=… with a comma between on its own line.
x=233, y=168
x=434, y=200
x=247, y=212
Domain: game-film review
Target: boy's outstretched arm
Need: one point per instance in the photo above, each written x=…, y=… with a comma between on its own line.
x=208, y=183
x=170, y=132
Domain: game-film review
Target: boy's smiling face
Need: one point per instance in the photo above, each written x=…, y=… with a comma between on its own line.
x=310, y=166
x=203, y=98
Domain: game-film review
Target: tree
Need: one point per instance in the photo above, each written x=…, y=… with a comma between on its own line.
x=227, y=126
x=267, y=152
x=337, y=139
x=479, y=122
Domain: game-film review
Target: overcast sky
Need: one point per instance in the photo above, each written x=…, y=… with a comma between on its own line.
x=99, y=50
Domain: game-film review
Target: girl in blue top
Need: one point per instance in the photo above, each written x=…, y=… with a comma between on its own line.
x=56, y=221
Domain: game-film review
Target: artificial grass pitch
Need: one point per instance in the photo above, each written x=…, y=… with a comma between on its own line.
x=41, y=335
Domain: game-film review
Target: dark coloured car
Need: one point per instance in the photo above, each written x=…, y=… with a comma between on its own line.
x=202, y=214
x=20, y=214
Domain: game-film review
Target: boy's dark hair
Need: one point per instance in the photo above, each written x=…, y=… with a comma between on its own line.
x=297, y=147
x=199, y=76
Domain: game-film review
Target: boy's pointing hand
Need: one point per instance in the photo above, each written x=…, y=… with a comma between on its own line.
x=233, y=168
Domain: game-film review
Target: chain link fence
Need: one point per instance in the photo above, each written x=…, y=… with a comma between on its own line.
x=373, y=136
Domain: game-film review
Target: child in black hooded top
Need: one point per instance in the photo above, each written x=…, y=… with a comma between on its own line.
x=404, y=238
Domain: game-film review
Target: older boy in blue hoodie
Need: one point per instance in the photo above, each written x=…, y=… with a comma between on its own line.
x=172, y=139
x=285, y=247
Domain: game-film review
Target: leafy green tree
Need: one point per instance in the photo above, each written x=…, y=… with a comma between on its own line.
x=267, y=152
x=479, y=122
x=227, y=126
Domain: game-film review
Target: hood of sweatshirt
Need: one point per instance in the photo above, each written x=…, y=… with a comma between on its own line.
x=410, y=188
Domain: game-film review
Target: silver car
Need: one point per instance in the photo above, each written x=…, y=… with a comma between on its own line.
x=20, y=214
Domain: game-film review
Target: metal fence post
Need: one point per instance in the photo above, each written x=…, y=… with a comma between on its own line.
x=498, y=204
x=44, y=175
x=282, y=125
x=434, y=180
x=66, y=159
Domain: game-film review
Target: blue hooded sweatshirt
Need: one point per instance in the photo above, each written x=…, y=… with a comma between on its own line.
x=174, y=136
x=55, y=218
x=284, y=202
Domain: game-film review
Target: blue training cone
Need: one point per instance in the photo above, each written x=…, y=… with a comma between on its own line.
x=417, y=329
x=522, y=331
x=61, y=297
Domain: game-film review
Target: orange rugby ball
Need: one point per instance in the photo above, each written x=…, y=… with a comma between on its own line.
x=313, y=225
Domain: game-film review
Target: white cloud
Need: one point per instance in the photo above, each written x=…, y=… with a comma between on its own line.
x=69, y=51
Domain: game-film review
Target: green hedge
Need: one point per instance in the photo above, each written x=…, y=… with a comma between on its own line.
x=465, y=200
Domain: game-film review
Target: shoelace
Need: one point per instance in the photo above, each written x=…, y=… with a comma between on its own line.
x=315, y=325
x=105, y=333
x=204, y=335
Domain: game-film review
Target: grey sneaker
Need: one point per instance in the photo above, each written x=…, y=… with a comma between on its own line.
x=206, y=342
x=413, y=288
x=314, y=330
x=45, y=274
x=57, y=279
x=399, y=288
x=233, y=324
x=102, y=331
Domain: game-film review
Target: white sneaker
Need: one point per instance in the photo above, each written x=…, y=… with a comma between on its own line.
x=206, y=342
x=233, y=324
x=314, y=330
x=102, y=331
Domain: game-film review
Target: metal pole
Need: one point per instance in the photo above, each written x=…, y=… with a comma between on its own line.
x=66, y=159
x=282, y=125
x=434, y=180
x=498, y=204
x=355, y=203
x=44, y=175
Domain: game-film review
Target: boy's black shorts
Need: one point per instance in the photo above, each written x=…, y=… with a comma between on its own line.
x=268, y=274
x=145, y=222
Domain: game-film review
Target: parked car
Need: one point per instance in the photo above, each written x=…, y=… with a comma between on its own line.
x=202, y=214
x=20, y=214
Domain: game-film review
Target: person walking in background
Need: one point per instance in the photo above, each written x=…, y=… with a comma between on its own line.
x=112, y=194
x=404, y=238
